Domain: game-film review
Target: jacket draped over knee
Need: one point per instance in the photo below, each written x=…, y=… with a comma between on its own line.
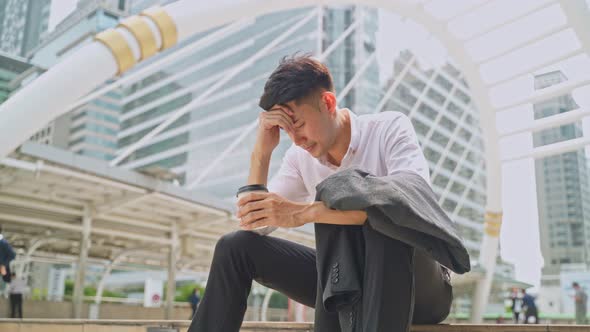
x=401, y=206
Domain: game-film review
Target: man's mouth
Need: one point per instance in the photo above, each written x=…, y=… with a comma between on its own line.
x=308, y=147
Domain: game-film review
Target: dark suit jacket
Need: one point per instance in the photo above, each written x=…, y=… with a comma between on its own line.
x=7, y=254
x=401, y=206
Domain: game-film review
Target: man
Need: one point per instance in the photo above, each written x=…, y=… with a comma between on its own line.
x=194, y=300
x=16, y=289
x=299, y=98
x=516, y=304
x=530, y=308
x=581, y=300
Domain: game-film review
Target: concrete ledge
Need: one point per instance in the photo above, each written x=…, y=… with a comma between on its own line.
x=85, y=325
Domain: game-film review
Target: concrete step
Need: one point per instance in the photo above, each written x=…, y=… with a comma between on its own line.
x=81, y=325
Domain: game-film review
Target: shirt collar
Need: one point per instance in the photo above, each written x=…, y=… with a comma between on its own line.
x=354, y=131
x=352, y=146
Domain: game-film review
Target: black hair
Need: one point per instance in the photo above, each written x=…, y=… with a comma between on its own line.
x=296, y=78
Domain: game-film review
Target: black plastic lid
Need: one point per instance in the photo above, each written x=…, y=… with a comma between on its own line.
x=252, y=187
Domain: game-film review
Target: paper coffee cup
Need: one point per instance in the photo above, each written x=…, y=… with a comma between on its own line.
x=250, y=189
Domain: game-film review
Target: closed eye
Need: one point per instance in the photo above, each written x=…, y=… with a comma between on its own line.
x=299, y=124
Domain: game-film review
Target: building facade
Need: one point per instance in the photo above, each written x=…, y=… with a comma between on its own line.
x=563, y=199
x=438, y=103
x=23, y=23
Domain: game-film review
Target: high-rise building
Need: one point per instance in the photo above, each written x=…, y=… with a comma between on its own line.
x=355, y=57
x=23, y=23
x=119, y=5
x=91, y=129
x=563, y=198
x=562, y=186
x=12, y=68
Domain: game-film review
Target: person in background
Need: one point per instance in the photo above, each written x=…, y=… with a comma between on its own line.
x=581, y=300
x=530, y=309
x=194, y=300
x=16, y=289
x=516, y=304
x=7, y=254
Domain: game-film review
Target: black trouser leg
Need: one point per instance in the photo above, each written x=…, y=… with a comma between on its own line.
x=13, y=305
x=402, y=285
x=19, y=305
x=388, y=284
x=243, y=256
x=433, y=296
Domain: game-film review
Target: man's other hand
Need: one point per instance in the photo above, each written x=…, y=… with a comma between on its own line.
x=259, y=209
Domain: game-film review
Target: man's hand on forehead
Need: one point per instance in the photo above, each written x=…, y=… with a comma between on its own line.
x=288, y=111
x=282, y=108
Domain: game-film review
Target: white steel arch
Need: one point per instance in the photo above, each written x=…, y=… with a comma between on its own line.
x=138, y=37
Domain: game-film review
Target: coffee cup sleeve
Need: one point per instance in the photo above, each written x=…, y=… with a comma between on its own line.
x=265, y=230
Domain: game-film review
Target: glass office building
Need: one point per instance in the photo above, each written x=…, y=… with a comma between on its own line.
x=23, y=24
x=438, y=103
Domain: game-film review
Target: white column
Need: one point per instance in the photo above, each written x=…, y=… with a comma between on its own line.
x=299, y=312
x=173, y=256
x=82, y=260
x=24, y=268
x=265, y=302
x=493, y=219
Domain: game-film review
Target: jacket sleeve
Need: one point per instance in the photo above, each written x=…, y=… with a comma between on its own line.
x=402, y=206
x=6, y=252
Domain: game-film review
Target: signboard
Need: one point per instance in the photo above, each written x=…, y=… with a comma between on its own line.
x=56, y=284
x=153, y=293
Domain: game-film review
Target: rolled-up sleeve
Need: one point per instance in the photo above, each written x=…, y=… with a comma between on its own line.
x=287, y=182
x=401, y=148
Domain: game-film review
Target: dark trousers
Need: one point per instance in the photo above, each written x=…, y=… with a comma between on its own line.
x=532, y=312
x=399, y=284
x=16, y=304
x=516, y=316
x=194, y=310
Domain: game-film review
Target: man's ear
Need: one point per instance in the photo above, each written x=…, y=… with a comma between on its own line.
x=329, y=100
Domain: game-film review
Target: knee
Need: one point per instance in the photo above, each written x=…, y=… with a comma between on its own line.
x=235, y=242
x=442, y=311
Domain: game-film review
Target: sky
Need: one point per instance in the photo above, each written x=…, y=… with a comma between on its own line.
x=520, y=232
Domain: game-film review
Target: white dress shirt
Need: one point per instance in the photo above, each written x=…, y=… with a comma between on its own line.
x=380, y=144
